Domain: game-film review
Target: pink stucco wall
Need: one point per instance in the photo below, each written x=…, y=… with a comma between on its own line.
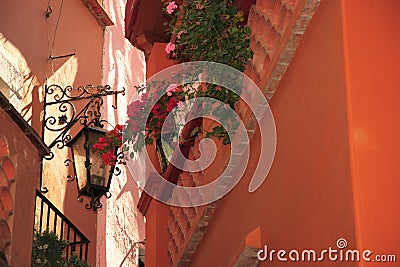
x=120, y=224
x=27, y=39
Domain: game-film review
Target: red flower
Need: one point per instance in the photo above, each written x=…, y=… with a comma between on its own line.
x=106, y=146
x=96, y=146
x=119, y=127
x=109, y=158
x=173, y=102
x=156, y=109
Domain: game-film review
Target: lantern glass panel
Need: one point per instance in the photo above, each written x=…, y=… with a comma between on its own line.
x=79, y=154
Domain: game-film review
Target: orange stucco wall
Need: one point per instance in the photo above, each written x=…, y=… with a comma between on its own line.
x=306, y=201
x=335, y=171
x=157, y=236
x=372, y=65
x=334, y=174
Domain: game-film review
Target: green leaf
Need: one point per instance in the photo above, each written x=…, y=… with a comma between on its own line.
x=194, y=131
x=226, y=140
x=218, y=129
x=148, y=140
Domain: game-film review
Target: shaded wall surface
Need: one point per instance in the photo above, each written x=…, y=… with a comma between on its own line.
x=120, y=224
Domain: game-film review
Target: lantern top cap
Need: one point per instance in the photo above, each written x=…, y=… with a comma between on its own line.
x=92, y=129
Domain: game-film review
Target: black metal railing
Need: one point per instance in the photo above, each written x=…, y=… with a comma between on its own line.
x=48, y=217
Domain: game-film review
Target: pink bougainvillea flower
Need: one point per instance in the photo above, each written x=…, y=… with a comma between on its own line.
x=135, y=109
x=144, y=96
x=132, y=125
x=181, y=106
x=179, y=34
x=169, y=48
x=171, y=7
x=171, y=89
x=199, y=6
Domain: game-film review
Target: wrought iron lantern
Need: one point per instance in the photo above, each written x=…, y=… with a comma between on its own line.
x=92, y=176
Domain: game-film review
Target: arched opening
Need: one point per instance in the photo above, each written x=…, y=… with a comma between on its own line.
x=9, y=169
x=3, y=146
x=6, y=201
x=3, y=178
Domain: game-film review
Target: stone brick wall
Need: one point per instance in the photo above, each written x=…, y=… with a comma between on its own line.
x=277, y=28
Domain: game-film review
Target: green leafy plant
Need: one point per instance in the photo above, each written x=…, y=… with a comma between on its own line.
x=74, y=261
x=201, y=30
x=209, y=30
x=48, y=250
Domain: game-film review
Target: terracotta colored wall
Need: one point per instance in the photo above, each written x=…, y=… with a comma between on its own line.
x=120, y=224
x=306, y=201
x=22, y=183
x=157, y=236
x=334, y=174
x=372, y=65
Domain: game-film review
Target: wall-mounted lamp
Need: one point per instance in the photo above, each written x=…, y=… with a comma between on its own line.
x=92, y=176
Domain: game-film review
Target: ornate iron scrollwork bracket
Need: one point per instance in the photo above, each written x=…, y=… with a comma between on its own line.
x=60, y=114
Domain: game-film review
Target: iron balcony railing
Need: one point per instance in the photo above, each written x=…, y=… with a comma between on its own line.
x=48, y=217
